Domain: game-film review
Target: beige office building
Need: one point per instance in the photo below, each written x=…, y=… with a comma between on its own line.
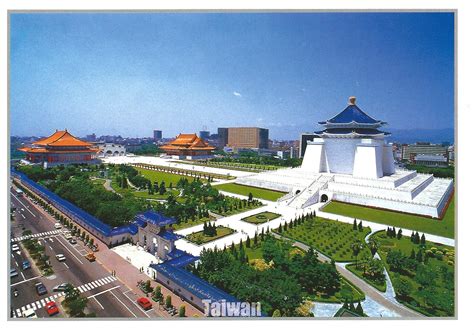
x=247, y=137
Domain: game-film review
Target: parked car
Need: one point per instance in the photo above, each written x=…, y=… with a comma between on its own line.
x=144, y=303
x=40, y=288
x=60, y=257
x=30, y=313
x=60, y=288
x=68, y=236
x=72, y=241
x=90, y=257
x=25, y=265
x=15, y=247
x=57, y=225
x=13, y=273
x=51, y=308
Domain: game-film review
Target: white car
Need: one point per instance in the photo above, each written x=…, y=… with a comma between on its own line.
x=60, y=257
x=30, y=313
x=15, y=247
x=57, y=226
x=68, y=236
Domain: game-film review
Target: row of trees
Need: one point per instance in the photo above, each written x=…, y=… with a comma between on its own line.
x=281, y=286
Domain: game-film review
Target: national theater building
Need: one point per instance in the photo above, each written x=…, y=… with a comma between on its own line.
x=188, y=146
x=61, y=148
x=350, y=161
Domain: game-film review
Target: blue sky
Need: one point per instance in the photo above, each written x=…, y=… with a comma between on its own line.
x=131, y=73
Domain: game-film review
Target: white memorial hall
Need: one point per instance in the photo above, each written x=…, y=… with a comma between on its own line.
x=349, y=160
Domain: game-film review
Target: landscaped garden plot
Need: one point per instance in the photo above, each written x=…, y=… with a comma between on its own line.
x=201, y=238
x=261, y=217
x=335, y=239
x=443, y=227
x=364, y=271
x=256, y=192
x=422, y=273
x=159, y=176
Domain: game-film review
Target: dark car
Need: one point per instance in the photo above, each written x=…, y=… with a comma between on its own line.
x=25, y=265
x=40, y=289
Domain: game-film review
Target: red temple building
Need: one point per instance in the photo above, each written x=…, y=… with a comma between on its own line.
x=188, y=146
x=61, y=148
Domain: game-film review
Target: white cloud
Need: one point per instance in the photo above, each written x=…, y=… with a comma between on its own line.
x=237, y=94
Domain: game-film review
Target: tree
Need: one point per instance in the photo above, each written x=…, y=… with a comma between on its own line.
x=419, y=256
x=247, y=242
x=276, y=313
x=147, y=286
x=74, y=302
x=399, y=234
x=250, y=197
x=423, y=240
x=182, y=311
x=359, y=309
x=403, y=287
x=157, y=294
x=354, y=225
x=360, y=226
x=168, y=302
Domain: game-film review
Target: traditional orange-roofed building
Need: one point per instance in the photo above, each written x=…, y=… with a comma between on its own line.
x=189, y=146
x=61, y=148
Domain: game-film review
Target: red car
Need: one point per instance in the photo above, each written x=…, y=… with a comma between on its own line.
x=51, y=308
x=145, y=303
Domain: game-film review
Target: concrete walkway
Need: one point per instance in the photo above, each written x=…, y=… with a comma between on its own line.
x=129, y=275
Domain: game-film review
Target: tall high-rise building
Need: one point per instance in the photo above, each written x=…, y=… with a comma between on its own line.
x=243, y=137
x=157, y=135
x=204, y=134
x=222, y=137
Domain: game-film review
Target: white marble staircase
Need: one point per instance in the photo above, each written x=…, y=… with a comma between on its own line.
x=310, y=195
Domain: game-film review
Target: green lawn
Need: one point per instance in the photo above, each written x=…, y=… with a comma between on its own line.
x=256, y=192
x=199, y=237
x=261, y=217
x=443, y=227
x=332, y=238
x=160, y=176
x=440, y=263
x=348, y=291
x=360, y=273
x=145, y=195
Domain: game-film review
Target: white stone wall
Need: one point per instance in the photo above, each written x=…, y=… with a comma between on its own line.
x=315, y=157
x=368, y=161
x=388, y=204
x=340, y=154
x=388, y=161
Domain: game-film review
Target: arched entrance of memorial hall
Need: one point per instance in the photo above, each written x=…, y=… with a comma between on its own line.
x=324, y=198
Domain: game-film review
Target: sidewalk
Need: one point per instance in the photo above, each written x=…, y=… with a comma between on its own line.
x=130, y=276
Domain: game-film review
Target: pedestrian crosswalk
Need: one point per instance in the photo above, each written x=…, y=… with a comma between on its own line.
x=42, y=234
x=17, y=313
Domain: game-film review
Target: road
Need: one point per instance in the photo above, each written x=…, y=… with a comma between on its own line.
x=108, y=297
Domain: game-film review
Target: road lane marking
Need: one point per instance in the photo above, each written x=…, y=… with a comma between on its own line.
x=97, y=301
x=58, y=239
x=23, y=216
x=66, y=265
x=24, y=278
x=102, y=292
x=16, y=263
x=24, y=281
x=126, y=296
x=124, y=304
x=23, y=204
